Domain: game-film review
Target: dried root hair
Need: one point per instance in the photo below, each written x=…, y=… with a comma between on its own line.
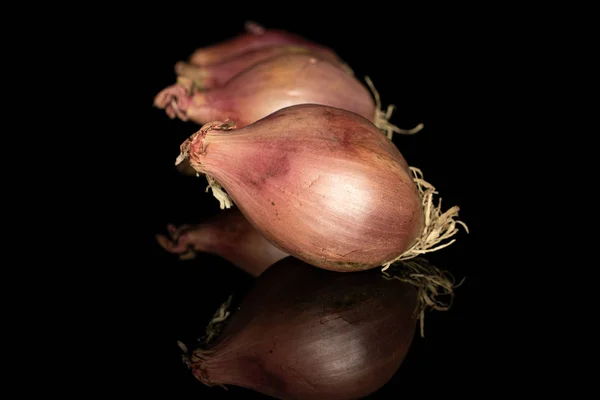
x=382, y=119
x=438, y=228
x=217, y=190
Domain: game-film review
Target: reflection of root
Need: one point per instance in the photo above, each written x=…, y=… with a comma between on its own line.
x=216, y=324
x=381, y=118
x=431, y=284
x=430, y=281
x=214, y=328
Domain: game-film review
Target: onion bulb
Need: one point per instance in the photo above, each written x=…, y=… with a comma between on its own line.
x=228, y=235
x=255, y=37
x=306, y=333
x=266, y=87
x=320, y=183
x=215, y=75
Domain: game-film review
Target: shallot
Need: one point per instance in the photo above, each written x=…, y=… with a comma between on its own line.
x=320, y=183
x=215, y=75
x=266, y=87
x=306, y=333
x=228, y=235
x=255, y=37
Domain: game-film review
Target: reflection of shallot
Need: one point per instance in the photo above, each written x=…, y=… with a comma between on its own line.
x=305, y=333
x=228, y=235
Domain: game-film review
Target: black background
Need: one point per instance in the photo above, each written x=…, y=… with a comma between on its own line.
x=439, y=70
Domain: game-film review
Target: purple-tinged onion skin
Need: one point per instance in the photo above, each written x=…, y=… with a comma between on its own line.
x=268, y=86
x=230, y=48
x=217, y=75
x=305, y=333
x=320, y=183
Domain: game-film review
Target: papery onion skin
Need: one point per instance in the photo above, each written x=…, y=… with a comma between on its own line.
x=320, y=183
x=228, y=235
x=267, y=87
x=306, y=333
x=255, y=38
x=216, y=75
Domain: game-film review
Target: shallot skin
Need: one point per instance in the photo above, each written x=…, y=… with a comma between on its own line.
x=268, y=86
x=320, y=183
x=256, y=37
x=306, y=333
x=216, y=75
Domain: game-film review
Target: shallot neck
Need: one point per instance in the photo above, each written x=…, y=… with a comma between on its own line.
x=211, y=151
x=210, y=106
x=240, y=370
